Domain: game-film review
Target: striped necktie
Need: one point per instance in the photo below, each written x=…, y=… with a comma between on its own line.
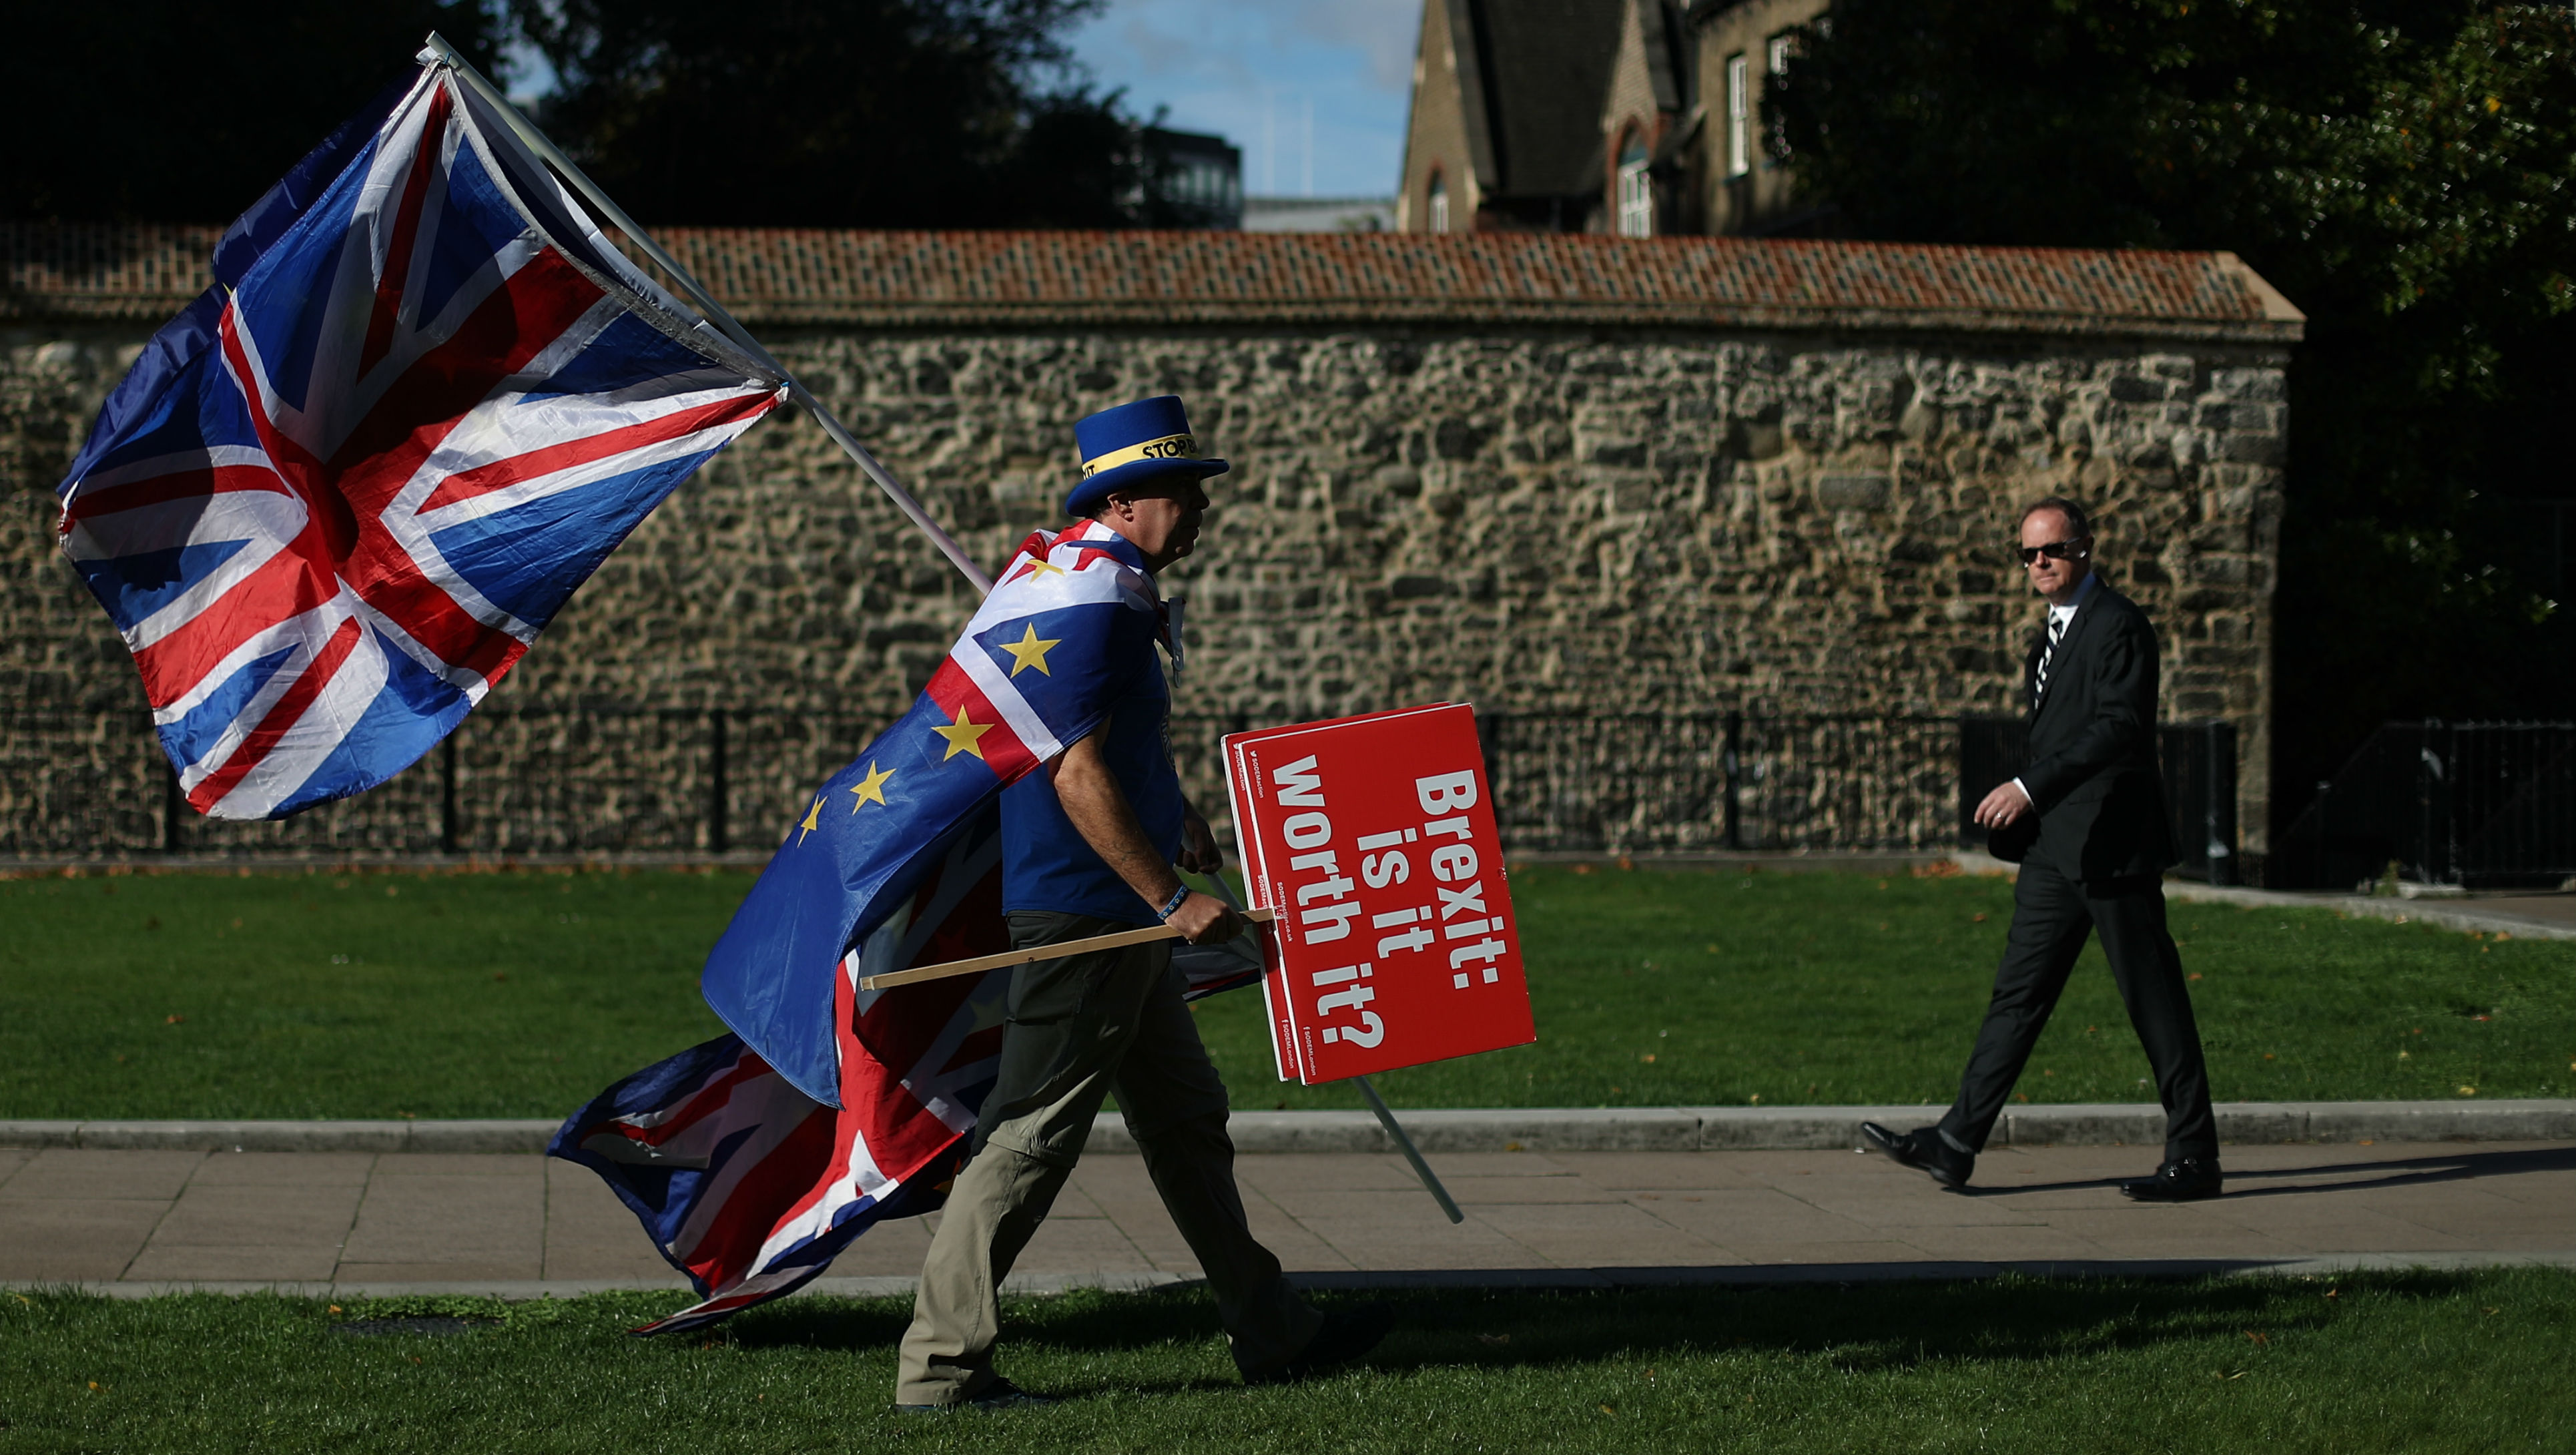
x=2039, y=679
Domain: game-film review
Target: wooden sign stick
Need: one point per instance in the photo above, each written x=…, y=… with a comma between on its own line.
x=1035, y=953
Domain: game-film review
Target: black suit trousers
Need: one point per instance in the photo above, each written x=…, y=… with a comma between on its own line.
x=2052, y=915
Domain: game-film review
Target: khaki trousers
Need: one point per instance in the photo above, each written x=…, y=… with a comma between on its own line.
x=1080, y=1028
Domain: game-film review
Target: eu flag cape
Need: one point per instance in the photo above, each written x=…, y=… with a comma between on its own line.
x=755, y=1158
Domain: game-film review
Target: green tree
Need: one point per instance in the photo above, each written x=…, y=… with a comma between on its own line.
x=2405, y=170
x=840, y=113
x=186, y=111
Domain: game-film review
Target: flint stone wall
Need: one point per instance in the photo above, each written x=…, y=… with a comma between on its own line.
x=1578, y=521
x=1608, y=490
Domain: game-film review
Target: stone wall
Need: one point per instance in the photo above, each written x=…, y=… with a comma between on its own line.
x=1538, y=519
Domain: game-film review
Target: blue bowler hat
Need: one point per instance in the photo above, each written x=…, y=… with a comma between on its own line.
x=1133, y=445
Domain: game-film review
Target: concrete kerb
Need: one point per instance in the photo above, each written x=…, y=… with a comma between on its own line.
x=2466, y=917
x=1458, y=1130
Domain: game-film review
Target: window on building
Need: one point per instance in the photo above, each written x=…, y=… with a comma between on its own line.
x=1636, y=189
x=1438, y=210
x=1781, y=48
x=1739, y=115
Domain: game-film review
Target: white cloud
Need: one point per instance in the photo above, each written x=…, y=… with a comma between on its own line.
x=1382, y=30
x=1251, y=69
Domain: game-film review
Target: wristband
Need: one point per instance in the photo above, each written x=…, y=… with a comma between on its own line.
x=1173, y=904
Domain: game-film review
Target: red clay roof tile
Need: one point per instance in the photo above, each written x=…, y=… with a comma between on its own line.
x=1002, y=279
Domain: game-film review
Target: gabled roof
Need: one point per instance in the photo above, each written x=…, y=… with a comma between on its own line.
x=785, y=277
x=1534, y=102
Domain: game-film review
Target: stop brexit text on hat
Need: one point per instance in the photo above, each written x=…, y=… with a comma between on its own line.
x=1374, y=839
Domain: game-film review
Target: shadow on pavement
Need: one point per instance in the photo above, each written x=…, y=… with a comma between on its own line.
x=2350, y=1176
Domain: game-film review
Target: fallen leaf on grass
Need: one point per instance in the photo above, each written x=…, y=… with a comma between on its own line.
x=172, y=1020
x=1496, y=1340
x=1605, y=1409
x=2258, y=1336
x=2334, y=1293
x=2493, y=1311
x=333, y=1309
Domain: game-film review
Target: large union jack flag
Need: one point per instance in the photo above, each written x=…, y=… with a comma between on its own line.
x=340, y=495
x=755, y=1158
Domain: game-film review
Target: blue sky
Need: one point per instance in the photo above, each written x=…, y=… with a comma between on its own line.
x=1260, y=73
x=1251, y=70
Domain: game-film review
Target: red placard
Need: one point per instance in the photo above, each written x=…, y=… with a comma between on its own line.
x=1374, y=839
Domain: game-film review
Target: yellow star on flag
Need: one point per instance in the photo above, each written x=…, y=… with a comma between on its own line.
x=1030, y=651
x=812, y=821
x=963, y=736
x=870, y=789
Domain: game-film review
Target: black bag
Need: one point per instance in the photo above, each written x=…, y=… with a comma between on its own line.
x=2011, y=842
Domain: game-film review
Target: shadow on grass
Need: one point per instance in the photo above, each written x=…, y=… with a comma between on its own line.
x=1855, y=1325
x=2351, y=1176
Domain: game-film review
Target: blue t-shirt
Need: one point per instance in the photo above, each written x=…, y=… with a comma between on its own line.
x=1046, y=863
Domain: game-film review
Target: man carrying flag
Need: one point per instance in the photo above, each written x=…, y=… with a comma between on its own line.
x=1089, y=845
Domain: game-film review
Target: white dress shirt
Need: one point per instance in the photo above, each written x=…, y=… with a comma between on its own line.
x=2059, y=619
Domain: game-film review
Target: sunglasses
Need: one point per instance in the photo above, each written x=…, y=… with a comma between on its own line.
x=2055, y=550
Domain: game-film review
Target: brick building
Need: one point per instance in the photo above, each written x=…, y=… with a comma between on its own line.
x=1635, y=117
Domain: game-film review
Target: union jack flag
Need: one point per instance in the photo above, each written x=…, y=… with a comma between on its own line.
x=753, y=1159
x=339, y=496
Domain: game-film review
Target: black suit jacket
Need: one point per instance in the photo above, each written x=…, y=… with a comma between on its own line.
x=2091, y=761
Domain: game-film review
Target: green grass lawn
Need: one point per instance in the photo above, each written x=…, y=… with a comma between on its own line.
x=522, y=994
x=2379, y=1362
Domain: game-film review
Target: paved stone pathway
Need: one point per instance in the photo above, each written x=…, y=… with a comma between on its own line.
x=517, y=1223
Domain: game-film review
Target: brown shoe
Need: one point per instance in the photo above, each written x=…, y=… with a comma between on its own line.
x=1347, y=1334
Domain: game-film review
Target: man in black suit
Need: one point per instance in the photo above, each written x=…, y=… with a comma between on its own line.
x=2086, y=818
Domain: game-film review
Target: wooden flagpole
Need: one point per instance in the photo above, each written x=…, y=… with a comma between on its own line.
x=439, y=50
x=1035, y=953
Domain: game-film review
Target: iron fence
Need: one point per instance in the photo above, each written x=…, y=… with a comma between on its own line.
x=2480, y=805
x=620, y=780
x=2197, y=761
x=1680, y=782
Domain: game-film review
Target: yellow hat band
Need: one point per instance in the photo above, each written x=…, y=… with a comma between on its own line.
x=1169, y=447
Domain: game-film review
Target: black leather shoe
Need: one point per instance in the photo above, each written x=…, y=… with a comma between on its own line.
x=1001, y=1394
x=1924, y=1151
x=2187, y=1180
x=1346, y=1335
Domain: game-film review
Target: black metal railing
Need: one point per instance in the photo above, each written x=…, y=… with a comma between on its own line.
x=2480, y=805
x=1680, y=782
x=510, y=781
x=620, y=780
x=2196, y=759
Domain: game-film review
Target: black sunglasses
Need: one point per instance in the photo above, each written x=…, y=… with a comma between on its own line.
x=2056, y=551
